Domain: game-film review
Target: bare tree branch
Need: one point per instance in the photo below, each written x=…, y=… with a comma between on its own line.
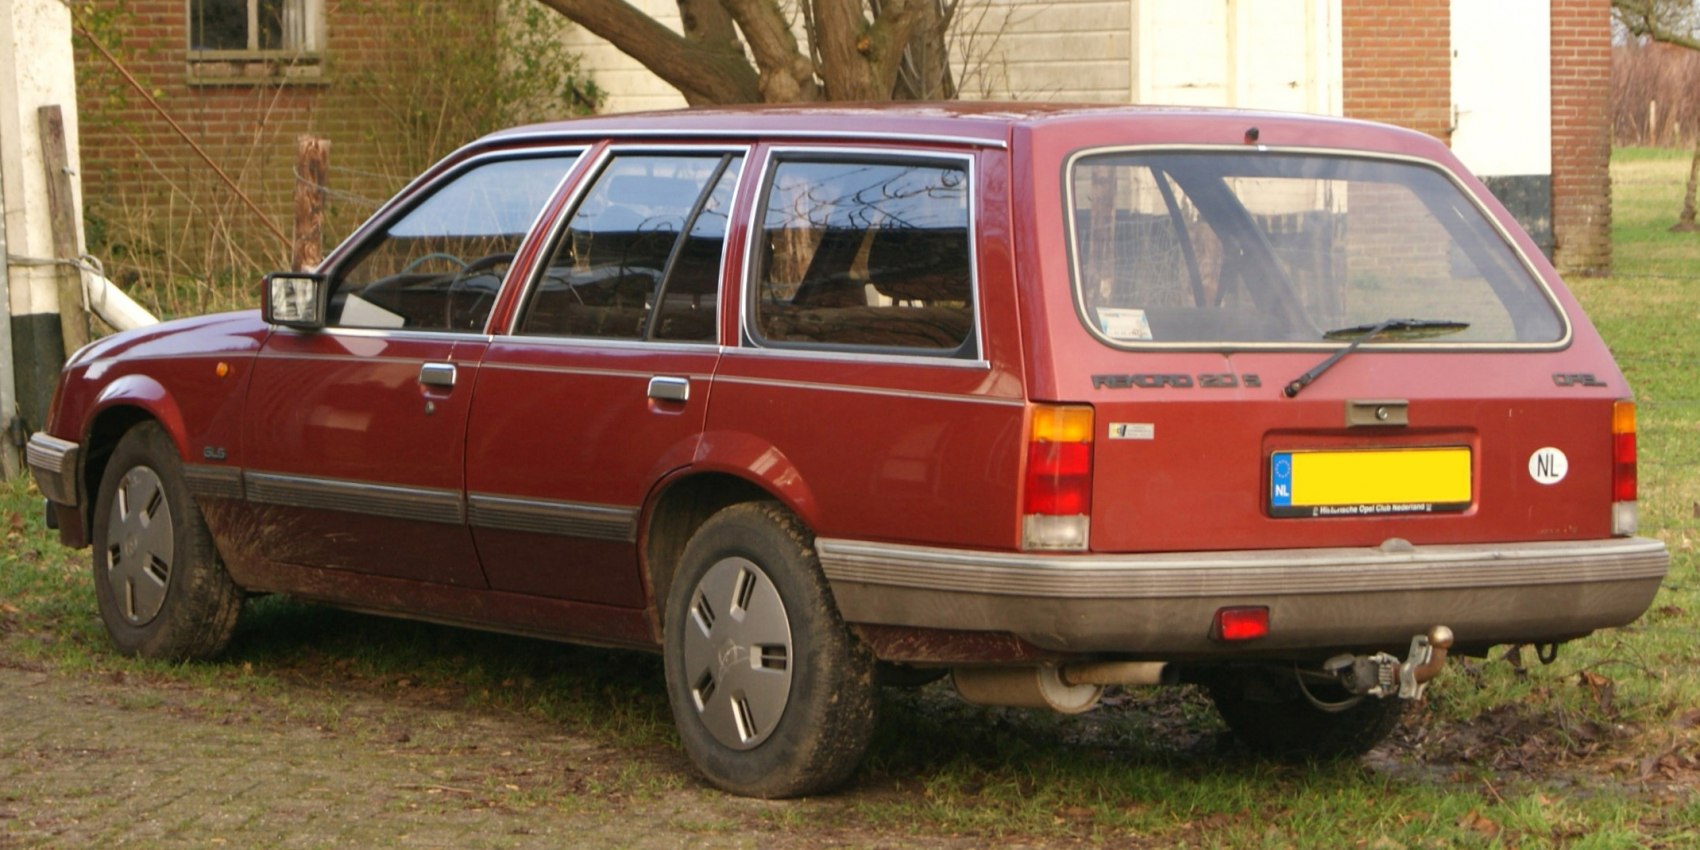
x=704, y=70
x=786, y=73
x=1668, y=21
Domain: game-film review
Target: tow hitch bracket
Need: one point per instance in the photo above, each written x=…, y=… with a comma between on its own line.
x=1383, y=675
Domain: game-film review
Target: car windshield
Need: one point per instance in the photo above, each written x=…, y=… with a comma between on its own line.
x=1259, y=247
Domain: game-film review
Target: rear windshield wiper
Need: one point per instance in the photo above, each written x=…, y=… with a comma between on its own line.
x=1360, y=334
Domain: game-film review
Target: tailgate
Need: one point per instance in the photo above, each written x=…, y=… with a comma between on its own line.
x=1424, y=447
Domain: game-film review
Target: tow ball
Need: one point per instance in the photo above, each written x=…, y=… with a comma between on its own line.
x=1383, y=675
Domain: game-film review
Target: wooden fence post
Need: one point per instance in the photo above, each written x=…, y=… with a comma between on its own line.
x=62, y=214
x=312, y=171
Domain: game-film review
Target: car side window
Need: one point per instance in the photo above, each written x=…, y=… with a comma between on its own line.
x=440, y=265
x=865, y=253
x=640, y=257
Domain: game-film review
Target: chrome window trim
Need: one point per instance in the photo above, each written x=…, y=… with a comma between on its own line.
x=754, y=134
x=992, y=401
x=1075, y=291
x=620, y=343
x=747, y=289
x=856, y=356
x=595, y=170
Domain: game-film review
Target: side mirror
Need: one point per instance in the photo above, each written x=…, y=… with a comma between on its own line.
x=294, y=300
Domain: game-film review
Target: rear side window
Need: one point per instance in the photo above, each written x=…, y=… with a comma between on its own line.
x=864, y=253
x=640, y=257
x=1259, y=247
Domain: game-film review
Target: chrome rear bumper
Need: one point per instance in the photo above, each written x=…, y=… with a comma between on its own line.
x=1160, y=606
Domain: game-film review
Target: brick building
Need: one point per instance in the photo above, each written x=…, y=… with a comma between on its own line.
x=244, y=79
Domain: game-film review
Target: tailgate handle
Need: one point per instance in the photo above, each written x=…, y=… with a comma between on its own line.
x=1377, y=413
x=670, y=389
x=437, y=374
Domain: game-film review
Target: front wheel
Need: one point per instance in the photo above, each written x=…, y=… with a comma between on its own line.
x=772, y=694
x=161, y=588
x=1285, y=717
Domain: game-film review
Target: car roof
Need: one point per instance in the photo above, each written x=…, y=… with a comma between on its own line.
x=982, y=123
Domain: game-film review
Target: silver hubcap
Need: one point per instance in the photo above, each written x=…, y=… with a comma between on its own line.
x=738, y=653
x=139, y=546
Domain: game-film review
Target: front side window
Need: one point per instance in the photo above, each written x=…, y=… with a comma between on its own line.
x=640, y=257
x=440, y=264
x=1249, y=248
x=861, y=254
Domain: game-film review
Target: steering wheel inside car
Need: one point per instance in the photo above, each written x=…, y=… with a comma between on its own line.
x=468, y=271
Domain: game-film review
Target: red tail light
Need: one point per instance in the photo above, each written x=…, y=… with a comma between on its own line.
x=1623, y=451
x=1625, y=519
x=1056, y=498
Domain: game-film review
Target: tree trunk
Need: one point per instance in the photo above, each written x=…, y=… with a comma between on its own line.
x=926, y=73
x=705, y=70
x=1685, y=222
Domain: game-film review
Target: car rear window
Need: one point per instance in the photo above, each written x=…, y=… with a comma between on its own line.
x=1257, y=247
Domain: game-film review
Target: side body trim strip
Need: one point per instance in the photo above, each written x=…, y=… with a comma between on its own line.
x=571, y=519
x=416, y=503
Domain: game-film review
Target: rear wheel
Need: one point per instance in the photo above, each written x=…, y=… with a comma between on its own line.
x=1285, y=717
x=772, y=694
x=161, y=588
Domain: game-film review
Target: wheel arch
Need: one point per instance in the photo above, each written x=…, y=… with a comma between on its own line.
x=124, y=404
x=676, y=510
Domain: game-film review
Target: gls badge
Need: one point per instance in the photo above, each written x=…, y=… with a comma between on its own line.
x=1548, y=465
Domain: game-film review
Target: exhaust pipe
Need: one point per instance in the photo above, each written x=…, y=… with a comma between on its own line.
x=1071, y=689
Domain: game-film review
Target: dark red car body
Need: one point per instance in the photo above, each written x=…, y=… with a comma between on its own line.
x=548, y=485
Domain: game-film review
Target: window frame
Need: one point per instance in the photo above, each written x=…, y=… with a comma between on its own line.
x=229, y=66
x=1077, y=292
x=376, y=229
x=583, y=178
x=970, y=352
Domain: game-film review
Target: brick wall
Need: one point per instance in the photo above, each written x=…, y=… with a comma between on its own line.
x=157, y=212
x=1581, y=135
x=1396, y=60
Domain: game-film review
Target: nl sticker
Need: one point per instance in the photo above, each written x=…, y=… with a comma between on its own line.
x=1548, y=465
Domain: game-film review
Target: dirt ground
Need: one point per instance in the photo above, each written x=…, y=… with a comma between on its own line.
x=98, y=761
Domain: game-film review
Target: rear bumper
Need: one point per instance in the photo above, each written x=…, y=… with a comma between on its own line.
x=54, y=463
x=1160, y=606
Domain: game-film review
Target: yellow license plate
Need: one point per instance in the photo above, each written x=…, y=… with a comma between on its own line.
x=1369, y=483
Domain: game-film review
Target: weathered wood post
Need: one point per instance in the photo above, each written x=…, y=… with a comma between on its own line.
x=67, y=229
x=312, y=170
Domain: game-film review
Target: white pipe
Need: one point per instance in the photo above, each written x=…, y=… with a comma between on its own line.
x=112, y=305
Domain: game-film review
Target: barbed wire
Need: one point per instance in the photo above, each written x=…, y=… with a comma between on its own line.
x=335, y=193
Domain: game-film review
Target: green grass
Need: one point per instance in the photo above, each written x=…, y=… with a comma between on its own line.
x=1565, y=755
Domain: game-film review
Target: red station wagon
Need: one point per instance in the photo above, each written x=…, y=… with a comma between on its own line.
x=1049, y=398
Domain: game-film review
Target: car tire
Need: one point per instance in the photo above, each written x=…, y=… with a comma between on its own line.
x=772, y=694
x=161, y=587
x=1275, y=718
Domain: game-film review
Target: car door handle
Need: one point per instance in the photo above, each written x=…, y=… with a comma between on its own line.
x=670, y=389
x=437, y=374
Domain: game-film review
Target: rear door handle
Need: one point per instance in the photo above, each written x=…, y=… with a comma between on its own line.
x=437, y=375
x=670, y=389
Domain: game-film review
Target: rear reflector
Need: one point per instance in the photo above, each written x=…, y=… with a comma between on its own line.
x=1056, y=498
x=1623, y=472
x=1235, y=624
